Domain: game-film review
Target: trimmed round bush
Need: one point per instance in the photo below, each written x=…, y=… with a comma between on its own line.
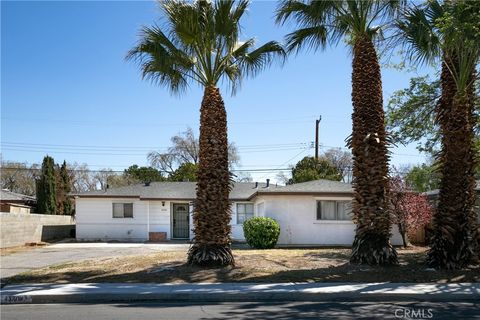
x=261, y=233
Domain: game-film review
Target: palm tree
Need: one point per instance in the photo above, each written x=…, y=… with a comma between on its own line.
x=200, y=43
x=361, y=22
x=446, y=32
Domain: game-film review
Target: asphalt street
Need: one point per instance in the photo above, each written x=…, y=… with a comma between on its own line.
x=245, y=310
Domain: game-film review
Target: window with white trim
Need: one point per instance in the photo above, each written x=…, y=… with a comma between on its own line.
x=244, y=212
x=122, y=210
x=334, y=210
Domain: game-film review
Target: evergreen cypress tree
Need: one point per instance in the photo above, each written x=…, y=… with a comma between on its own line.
x=65, y=189
x=46, y=187
x=59, y=194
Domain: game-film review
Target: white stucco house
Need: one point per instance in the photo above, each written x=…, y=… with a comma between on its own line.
x=310, y=213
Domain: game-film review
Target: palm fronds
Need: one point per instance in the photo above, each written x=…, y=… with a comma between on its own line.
x=201, y=43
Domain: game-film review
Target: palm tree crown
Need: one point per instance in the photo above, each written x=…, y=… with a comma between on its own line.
x=444, y=31
x=323, y=22
x=201, y=44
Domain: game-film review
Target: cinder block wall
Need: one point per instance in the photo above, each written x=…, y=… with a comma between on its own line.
x=18, y=229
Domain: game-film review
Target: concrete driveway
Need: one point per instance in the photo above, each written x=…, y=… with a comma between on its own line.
x=16, y=263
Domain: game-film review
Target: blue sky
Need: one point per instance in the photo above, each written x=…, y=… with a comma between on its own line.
x=66, y=90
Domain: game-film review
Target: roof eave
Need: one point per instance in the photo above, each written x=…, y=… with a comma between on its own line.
x=303, y=193
x=102, y=196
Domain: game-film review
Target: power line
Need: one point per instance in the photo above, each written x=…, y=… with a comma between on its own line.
x=111, y=153
x=258, y=170
x=69, y=146
x=122, y=171
x=392, y=153
x=288, y=161
x=69, y=122
x=128, y=151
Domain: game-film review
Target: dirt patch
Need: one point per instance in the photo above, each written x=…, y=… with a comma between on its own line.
x=25, y=247
x=277, y=265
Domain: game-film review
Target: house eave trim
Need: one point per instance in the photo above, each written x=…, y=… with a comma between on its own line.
x=301, y=193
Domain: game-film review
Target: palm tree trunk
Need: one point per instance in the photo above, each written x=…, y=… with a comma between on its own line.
x=370, y=161
x=211, y=217
x=454, y=238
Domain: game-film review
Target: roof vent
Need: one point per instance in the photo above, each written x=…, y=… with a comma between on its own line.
x=268, y=183
x=147, y=183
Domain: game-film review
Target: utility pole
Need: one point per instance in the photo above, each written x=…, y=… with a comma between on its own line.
x=317, y=127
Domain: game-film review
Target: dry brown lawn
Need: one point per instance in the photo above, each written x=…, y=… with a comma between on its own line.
x=17, y=249
x=277, y=265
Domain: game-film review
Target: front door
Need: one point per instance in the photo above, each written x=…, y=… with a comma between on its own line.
x=180, y=221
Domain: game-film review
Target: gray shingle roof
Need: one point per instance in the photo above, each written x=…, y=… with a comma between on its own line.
x=241, y=190
x=168, y=190
x=316, y=186
x=8, y=195
x=164, y=190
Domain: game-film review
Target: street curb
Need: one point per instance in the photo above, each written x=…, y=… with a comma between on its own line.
x=100, y=293
x=102, y=298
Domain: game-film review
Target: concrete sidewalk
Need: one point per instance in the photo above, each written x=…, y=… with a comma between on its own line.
x=219, y=292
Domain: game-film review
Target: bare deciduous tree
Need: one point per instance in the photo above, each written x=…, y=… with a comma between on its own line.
x=282, y=178
x=342, y=160
x=81, y=177
x=243, y=177
x=19, y=177
x=184, y=149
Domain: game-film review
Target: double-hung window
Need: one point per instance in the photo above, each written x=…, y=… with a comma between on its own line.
x=244, y=212
x=123, y=210
x=334, y=210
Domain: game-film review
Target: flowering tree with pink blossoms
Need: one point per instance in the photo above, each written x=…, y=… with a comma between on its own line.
x=410, y=210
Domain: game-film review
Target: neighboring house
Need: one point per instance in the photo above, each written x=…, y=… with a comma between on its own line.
x=433, y=198
x=310, y=213
x=16, y=203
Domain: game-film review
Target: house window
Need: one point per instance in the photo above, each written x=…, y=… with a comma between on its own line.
x=123, y=210
x=244, y=212
x=261, y=209
x=334, y=210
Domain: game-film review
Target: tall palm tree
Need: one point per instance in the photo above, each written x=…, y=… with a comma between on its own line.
x=200, y=43
x=450, y=32
x=361, y=22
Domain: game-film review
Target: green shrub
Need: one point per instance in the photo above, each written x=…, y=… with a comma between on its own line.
x=261, y=233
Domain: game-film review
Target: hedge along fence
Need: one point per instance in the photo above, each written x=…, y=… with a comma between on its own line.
x=18, y=229
x=261, y=233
